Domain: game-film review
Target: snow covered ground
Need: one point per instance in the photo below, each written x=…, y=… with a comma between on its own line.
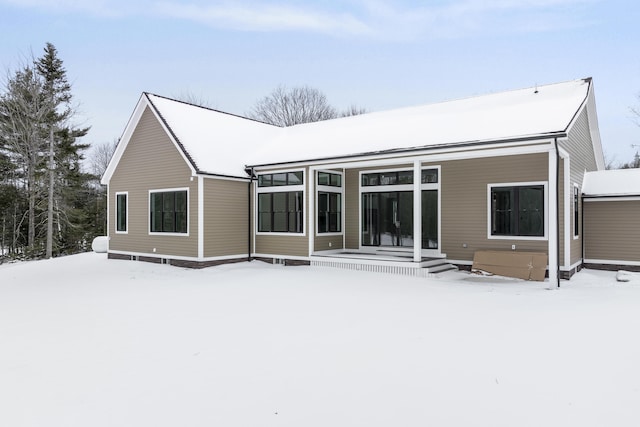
x=86, y=341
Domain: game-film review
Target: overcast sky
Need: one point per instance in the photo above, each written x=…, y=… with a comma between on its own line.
x=377, y=54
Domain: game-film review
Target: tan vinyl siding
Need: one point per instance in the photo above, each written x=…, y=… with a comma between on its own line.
x=351, y=208
x=580, y=148
x=324, y=243
x=282, y=245
x=226, y=216
x=151, y=162
x=464, y=201
x=611, y=230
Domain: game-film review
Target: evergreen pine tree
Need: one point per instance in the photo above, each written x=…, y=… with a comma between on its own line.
x=68, y=179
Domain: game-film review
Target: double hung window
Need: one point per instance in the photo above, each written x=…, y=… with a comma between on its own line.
x=329, y=202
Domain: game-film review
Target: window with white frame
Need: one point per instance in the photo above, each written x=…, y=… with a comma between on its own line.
x=122, y=208
x=329, y=202
x=517, y=210
x=281, y=202
x=168, y=211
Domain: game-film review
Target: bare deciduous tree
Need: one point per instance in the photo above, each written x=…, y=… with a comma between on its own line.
x=288, y=107
x=353, y=110
x=23, y=112
x=191, y=98
x=101, y=156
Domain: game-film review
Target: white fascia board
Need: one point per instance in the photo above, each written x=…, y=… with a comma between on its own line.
x=594, y=129
x=132, y=124
x=124, y=139
x=581, y=108
x=435, y=155
x=224, y=177
x=173, y=140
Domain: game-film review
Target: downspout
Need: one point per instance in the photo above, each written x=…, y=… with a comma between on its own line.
x=558, y=212
x=582, y=225
x=249, y=229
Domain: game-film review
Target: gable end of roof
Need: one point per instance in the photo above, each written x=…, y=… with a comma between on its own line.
x=172, y=134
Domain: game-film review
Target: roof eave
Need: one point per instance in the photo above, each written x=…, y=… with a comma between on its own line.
x=542, y=136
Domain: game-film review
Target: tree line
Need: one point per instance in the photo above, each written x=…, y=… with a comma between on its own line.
x=49, y=205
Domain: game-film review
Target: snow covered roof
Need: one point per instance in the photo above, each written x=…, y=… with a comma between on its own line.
x=612, y=183
x=215, y=142
x=219, y=143
x=532, y=112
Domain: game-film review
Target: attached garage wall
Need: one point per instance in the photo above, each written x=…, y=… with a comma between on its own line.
x=612, y=231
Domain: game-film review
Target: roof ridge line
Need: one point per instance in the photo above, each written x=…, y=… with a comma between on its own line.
x=191, y=104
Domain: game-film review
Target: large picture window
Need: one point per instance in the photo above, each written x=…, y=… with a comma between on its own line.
x=517, y=210
x=281, y=202
x=168, y=210
x=121, y=212
x=280, y=212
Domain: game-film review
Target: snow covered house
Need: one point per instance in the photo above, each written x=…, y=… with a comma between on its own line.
x=405, y=190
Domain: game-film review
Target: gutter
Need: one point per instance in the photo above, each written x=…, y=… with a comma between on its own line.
x=582, y=226
x=404, y=151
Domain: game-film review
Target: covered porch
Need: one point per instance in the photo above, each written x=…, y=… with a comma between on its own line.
x=387, y=211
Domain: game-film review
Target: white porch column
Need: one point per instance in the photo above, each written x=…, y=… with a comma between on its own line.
x=553, y=219
x=417, y=211
x=200, y=217
x=311, y=215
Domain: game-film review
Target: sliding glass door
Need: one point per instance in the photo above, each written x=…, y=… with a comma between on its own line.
x=387, y=219
x=429, y=219
x=387, y=209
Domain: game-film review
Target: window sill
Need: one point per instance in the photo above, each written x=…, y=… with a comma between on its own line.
x=532, y=238
x=168, y=234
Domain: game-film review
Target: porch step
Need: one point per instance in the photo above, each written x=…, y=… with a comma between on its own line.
x=443, y=265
